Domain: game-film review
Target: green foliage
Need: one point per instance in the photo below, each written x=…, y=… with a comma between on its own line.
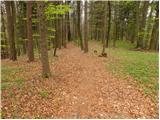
x=3, y=46
x=51, y=29
x=19, y=82
x=44, y=94
x=24, y=19
x=51, y=37
x=36, y=35
x=34, y=20
x=53, y=10
x=5, y=85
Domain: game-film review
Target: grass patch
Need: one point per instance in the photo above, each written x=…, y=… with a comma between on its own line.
x=10, y=94
x=5, y=85
x=142, y=66
x=9, y=78
x=19, y=82
x=44, y=94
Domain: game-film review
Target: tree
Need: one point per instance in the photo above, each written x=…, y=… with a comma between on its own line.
x=105, y=27
x=142, y=23
x=85, y=30
x=29, y=32
x=79, y=24
x=43, y=42
x=155, y=31
x=109, y=23
x=147, y=35
x=10, y=29
x=115, y=25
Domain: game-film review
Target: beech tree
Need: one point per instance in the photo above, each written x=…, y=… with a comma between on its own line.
x=43, y=43
x=155, y=32
x=105, y=27
x=29, y=32
x=10, y=29
x=79, y=23
x=85, y=29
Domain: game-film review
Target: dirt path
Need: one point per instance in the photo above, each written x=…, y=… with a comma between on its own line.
x=94, y=93
x=80, y=87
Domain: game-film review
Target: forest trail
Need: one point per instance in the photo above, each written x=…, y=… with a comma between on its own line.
x=92, y=92
x=81, y=87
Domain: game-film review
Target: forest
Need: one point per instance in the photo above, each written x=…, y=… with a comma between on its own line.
x=79, y=59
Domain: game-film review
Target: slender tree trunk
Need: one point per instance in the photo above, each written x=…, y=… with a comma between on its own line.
x=10, y=29
x=137, y=24
x=29, y=32
x=155, y=31
x=109, y=23
x=148, y=30
x=60, y=32
x=68, y=24
x=105, y=27
x=56, y=38
x=115, y=24
x=140, y=43
x=85, y=30
x=43, y=42
x=66, y=31
x=79, y=24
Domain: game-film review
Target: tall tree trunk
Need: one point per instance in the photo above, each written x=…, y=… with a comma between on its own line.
x=68, y=23
x=10, y=29
x=115, y=24
x=148, y=30
x=155, y=31
x=144, y=9
x=59, y=31
x=43, y=42
x=109, y=23
x=105, y=27
x=85, y=30
x=56, y=36
x=79, y=24
x=137, y=23
x=29, y=32
x=66, y=31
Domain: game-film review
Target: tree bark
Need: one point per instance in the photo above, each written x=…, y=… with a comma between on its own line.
x=85, y=30
x=29, y=32
x=105, y=27
x=10, y=30
x=43, y=42
x=109, y=23
x=79, y=24
x=66, y=31
x=137, y=23
x=142, y=23
x=148, y=31
x=155, y=31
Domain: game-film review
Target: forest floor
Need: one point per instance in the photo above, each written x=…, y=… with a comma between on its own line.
x=80, y=87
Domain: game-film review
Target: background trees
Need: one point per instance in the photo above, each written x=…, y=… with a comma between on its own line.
x=11, y=28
